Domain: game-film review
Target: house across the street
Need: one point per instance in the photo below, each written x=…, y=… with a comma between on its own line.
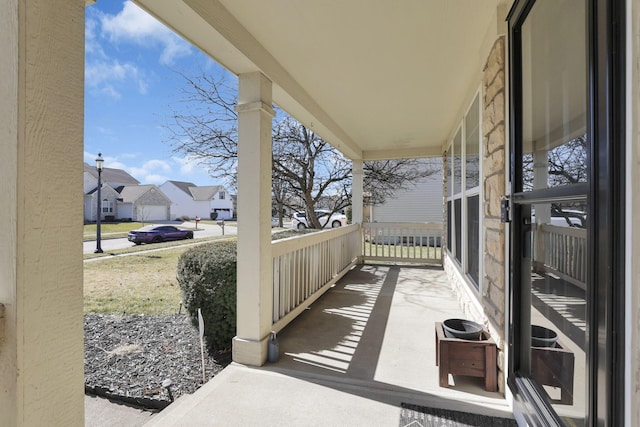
x=143, y=203
x=123, y=198
x=189, y=200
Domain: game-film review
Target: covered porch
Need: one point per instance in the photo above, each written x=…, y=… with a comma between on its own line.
x=352, y=358
x=378, y=82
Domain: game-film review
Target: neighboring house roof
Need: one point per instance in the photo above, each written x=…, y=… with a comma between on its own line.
x=205, y=193
x=198, y=194
x=131, y=193
x=105, y=187
x=112, y=175
x=184, y=186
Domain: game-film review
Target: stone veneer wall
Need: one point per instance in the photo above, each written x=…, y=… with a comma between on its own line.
x=491, y=309
x=493, y=153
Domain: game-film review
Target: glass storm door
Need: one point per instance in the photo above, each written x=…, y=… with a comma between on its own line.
x=560, y=331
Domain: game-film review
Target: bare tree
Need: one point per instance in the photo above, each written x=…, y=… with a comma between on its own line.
x=313, y=170
x=203, y=125
x=308, y=173
x=306, y=169
x=142, y=213
x=566, y=164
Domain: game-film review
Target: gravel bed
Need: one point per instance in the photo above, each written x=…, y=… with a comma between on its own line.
x=129, y=356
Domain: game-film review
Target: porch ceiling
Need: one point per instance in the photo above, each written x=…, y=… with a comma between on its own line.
x=377, y=79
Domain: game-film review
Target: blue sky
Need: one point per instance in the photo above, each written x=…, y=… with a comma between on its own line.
x=130, y=84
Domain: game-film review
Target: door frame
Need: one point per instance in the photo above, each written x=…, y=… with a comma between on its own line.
x=606, y=213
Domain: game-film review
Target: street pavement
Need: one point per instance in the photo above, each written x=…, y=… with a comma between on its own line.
x=204, y=230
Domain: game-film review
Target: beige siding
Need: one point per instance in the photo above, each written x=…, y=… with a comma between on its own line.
x=41, y=354
x=423, y=203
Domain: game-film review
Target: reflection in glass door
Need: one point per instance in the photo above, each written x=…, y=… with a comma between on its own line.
x=550, y=214
x=554, y=304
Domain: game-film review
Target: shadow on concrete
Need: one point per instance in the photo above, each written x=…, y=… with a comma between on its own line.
x=372, y=335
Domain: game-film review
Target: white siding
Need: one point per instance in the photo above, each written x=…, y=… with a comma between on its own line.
x=182, y=204
x=422, y=203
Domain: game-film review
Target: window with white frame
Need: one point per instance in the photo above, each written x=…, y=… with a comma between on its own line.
x=463, y=194
x=221, y=195
x=107, y=206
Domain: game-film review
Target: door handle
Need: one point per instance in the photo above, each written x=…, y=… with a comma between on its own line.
x=505, y=209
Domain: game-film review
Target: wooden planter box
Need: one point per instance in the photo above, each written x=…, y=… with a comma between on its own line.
x=553, y=366
x=464, y=357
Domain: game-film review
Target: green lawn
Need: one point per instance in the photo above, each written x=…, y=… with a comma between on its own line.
x=140, y=284
x=143, y=283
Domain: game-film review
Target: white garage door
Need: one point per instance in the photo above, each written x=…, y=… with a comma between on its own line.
x=152, y=213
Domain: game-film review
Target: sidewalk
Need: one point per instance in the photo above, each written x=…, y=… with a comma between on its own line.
x=100, y=412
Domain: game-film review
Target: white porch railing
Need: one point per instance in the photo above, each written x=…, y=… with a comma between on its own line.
x=402, y=242
x=307, y=266
x=562, y=251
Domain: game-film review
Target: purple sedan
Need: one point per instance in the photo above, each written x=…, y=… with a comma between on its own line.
x=158, y=233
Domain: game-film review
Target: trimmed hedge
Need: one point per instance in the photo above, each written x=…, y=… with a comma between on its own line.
x=207, y=278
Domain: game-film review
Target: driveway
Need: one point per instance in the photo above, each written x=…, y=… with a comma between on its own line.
x=204, y=230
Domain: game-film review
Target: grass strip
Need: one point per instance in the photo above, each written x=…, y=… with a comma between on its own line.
x=141, y=284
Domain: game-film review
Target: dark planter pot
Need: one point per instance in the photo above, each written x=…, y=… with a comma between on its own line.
x=462, y=329
x=543, y=337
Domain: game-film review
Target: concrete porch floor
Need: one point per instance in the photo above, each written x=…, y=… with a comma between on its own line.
x=351, y=359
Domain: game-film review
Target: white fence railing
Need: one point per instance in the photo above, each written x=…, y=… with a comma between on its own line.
x=305, y=267
x=562, y=251
x=402, y=242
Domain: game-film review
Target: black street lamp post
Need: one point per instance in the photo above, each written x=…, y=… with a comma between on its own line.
x=99, y=163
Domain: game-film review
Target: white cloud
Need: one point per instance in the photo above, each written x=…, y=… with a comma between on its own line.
x=188, y=165
x=111, y=162
x=101, y=76
x=135, y=25
x=157, y=165
x=155, y=179
x=91, y=44
x=155, y=171
x=151, y=172
x=90, y=157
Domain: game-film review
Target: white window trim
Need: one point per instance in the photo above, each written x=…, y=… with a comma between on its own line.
x=463, y=195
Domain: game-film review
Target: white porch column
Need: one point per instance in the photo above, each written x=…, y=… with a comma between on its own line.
x=255, y=277
x=357, y=199
x=41, y=199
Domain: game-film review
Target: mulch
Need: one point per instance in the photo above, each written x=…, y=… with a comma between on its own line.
x=127, y=358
